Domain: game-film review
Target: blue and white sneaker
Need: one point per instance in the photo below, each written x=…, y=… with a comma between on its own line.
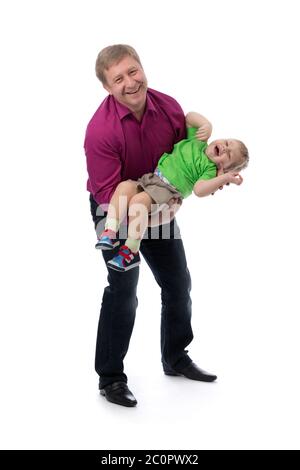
x=124, y=260
x=107, y=240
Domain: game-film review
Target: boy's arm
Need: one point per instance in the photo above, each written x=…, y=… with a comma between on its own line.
x=206, y=187
x=193, y=119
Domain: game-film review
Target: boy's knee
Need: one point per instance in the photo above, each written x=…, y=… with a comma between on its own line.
x=139, y=198
x=135, y=199
x=127, y=186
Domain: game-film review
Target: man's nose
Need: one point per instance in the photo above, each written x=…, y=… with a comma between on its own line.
x=129, y=82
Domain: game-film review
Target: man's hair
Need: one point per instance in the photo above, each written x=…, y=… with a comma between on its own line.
x=113, y=55
x=244, y=160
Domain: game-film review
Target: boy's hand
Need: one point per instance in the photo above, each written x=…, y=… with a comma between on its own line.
x=231, y=177
x=204, y=132
x=234, y=177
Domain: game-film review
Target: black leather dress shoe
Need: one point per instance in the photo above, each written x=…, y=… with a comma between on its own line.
x=118, y=393
x=193, y=372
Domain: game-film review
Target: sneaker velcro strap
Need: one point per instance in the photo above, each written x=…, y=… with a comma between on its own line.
x=128, y=256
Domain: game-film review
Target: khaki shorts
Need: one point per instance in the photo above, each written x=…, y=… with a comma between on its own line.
x=158, y=190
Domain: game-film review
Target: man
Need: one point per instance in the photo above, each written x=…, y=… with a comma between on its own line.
x=131, y=129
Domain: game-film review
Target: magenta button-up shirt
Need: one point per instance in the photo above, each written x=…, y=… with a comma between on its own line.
x=119, y=147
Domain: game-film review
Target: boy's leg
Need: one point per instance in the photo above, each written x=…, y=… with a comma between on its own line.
x=128, y=256
x=117, y=211
x=119, y=202
x=138, y=213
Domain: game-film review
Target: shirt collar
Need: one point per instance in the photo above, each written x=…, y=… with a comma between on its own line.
x=121, y=109
x=150, y=106
x=124, y=111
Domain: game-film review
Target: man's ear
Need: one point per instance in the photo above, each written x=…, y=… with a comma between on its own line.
x=107, y=88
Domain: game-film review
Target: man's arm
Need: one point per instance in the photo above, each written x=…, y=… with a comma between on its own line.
x=103, y=166
x=206, y=187
x=193, y=119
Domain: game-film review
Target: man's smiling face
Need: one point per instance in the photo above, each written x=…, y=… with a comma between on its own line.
x=127, y=82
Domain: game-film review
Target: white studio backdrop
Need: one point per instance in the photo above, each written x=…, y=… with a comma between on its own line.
x=236, y=63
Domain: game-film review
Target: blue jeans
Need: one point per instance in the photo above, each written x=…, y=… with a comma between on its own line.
x=166, y=259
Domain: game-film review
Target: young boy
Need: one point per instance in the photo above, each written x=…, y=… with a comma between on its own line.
x=193, y=165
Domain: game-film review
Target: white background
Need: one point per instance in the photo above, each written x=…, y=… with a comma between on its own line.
x=236, y=63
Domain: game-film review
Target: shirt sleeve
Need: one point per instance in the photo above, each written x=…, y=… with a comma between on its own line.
x=177, y=117
x=191, y=132
x=103, y=166
x=181, y=128
x=209, y=173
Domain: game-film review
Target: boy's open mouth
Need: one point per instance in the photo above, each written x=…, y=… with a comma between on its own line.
x=217, y=150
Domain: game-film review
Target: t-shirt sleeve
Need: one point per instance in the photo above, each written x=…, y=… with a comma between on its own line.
x=209, y=173
x=191, y=132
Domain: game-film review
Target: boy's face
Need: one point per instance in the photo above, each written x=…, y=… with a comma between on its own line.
x=224, y=153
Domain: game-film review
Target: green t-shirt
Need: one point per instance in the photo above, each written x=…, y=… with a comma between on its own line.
x=187, y=163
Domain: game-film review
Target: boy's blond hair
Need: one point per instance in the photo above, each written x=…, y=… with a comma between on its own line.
x=244, y=159
x=113, y=55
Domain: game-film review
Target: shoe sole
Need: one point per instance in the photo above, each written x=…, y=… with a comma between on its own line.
x=104, y=246
x=115, y=268
x=203, y=379
x=129, y=405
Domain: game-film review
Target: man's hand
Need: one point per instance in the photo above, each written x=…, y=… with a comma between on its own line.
x=220, y=172
x=204, y=132
x=174, y=201
x=166, y=213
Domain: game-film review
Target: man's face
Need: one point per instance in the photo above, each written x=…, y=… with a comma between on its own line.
x=224, y=152
x=127, y=82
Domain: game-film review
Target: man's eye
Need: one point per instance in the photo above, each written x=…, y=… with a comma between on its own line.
x=132, y=72
x=119, y=80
